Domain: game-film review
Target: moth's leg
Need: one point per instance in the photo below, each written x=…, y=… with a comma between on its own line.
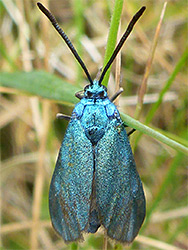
x=116, y=94
x=79, y=95
x=132, y=131
x=62, y=116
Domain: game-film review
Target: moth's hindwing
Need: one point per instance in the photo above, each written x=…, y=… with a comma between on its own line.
x=119, y=192
x=71, y=185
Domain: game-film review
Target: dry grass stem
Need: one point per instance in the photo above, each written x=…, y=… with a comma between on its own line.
x=143, y=86
x=157, y=244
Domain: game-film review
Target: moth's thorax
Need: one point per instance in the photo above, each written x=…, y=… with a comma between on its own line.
x=94, y=115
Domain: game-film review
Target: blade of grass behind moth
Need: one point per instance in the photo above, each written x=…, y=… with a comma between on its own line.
x=22, y=35
x=112, y=36
x=169, y=178
x=182, y=227
x=167, y=85
x=118, y=70
x=28, y=6
x=74, y=246
x=39, y=172
x=105, y=242
x=143, y=87
x=5, y=54
x=39, y=176
x=170, y=214
x=155, y=244
x=146, y=44
x=78, y=9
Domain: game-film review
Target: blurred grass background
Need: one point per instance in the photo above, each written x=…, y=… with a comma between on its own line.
x=31, y=135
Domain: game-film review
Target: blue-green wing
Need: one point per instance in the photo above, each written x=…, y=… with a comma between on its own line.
x=71, y=185
x=119, y=193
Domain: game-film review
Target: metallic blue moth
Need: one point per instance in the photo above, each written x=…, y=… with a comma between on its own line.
x=95, y=182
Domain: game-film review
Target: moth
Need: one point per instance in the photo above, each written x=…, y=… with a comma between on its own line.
x=95, y=182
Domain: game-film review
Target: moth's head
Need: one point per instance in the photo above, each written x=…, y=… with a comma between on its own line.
x=95, y=91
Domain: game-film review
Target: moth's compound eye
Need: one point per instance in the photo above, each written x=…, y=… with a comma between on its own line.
x=89, y=94
x=101, y=94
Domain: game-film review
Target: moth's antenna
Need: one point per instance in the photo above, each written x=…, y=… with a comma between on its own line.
x=121, y=42
x=65, y=38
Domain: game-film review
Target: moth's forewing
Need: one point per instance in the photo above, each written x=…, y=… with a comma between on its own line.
x=71, y=185
x=119, y=192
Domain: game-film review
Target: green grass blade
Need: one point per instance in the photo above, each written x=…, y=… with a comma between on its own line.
x=167, y=85
x=42, y=84
x=151, y=132
x=112, y=37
